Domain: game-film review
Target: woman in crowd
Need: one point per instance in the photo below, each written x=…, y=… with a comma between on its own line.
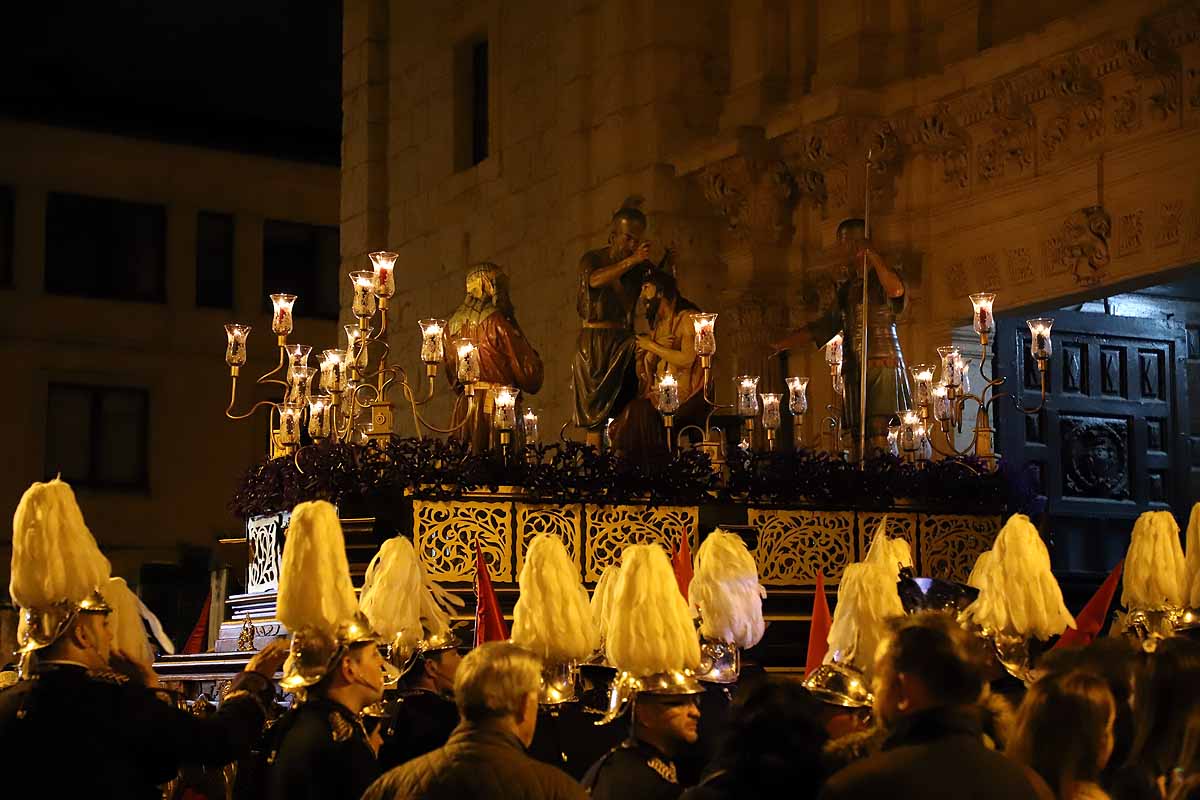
x=1065, y=733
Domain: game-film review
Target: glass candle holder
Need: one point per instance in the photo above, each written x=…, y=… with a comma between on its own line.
x=356, y=343
x=529, y=423
x=962, y=366
x=908, y=431
x=833, y=351
x=281, y=319
x=922, y=375
x=893, y=439
x=950, y=375
x=1039, y=337
x=770, y=410
x=298, y=386
x=433, y=346
x=289, y=424
x=797, y=395
x=362, y=301
x=941, y=402
x=667, y=394
x=320, y=416
x=705, y=327
x=235, y=347
x=297, y=356
x=505, y=415
x=383, y=278
x=334, y=370
x=985, y=323
x=746, y=387
x=468, y=361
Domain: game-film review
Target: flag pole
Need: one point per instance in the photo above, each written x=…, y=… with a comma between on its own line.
x=862, y=355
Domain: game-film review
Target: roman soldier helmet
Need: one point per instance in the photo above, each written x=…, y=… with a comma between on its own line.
x=839, y=685
x=552, y=618
x=58, y=571
x=647, y=598
x=727, y=596
x=316, y=598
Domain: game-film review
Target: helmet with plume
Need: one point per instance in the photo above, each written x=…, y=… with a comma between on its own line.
x=725, y=592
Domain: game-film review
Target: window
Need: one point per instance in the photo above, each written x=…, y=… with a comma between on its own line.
x=6, y=236
x=97, y=436
x=302, y=260
x=471, y=99
x=214, y=260
x=98, y=247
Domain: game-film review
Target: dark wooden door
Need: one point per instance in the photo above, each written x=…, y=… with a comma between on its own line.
x=1111, y=441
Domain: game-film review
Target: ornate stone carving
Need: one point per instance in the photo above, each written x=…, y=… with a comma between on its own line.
x=445, y=535
x=936, y=135
x=1170, y=222
x=951, y=543
x=987, y=272
x=1126, y=111
x=565, y=521
x=1129, y=239
x=1095, y=457
x=1081, y=248
x=794, y=545
x=755, y=197
x=264, y=538
x=1020, y=265
x=611, y=528
x=956, y=280
x=1007, y=154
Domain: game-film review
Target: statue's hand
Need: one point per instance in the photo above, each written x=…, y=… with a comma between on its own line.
x=642, y=253
x=643, y=342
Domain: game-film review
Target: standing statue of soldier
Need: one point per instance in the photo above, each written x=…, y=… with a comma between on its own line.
x=506, y=358
x=887, y=379
x=604, y=372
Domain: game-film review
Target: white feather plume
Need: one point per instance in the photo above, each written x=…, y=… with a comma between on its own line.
x=892, y=554
x=866, y=599
x=436, y=605
x=1019, y=594
x=391, y=593
x=314, y=578
x=1193, y=557
x=552, y=618
x=978, y=576
x=602, y=600
x=54, y=555
x=650, y=629
x=125, y=622
x=1155, y=569
x=725, y=591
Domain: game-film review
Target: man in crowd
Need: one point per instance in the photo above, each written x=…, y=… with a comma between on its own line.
x=643, y=766
x=424, y=714
x=496, y=689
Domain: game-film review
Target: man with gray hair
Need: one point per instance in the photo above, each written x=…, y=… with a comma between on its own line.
x=496, y=689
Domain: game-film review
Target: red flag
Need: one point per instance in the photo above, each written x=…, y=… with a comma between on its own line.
x=489, y=622
x=1090, y=620
x=818, y=631
x=198, y=639
x=681, y=563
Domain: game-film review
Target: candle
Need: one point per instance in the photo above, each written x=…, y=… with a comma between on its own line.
x=235, y=349
x=746, y=387
x=362, y=301
x=908, y=432
x=985, y=323
x=923, y=381
x=468, y=361
x=704, y=326
x=770, y=410
x=833, y=351
x=950, y=375
x=797, y=395
x=297, y=355
x=1039, y=342
x=298, y=386
x=357, y=343
x=530, y=424
x=668, y=394
x=941, y=402
x=281, y=321
x=289, y=424
x=962, y=366
x=320, y=416
x=893, y=440
x=432, y=340
x=505, y=415
x=383, y=278
x=333, y=370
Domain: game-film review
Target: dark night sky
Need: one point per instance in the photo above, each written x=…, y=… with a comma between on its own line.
x=261, y=76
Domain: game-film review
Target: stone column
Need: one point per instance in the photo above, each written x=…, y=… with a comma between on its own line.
x=759, y=60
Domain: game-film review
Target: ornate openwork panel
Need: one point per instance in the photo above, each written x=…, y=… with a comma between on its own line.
x=794, y=545
x=898, y=525
x=611, y=528
x=264, y=538
x=564, y=521
x=951, y=543
x=445, y=535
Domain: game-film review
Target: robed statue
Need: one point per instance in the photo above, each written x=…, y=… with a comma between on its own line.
x=888, y=391
x=506, y=358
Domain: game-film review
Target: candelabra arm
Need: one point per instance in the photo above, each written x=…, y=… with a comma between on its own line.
x=1031, y=412
x=233, y=398
x=420, y=422
x=267, y=377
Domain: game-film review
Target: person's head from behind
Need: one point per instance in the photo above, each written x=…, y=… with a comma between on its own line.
x=86, y=640
x=497, y=683
x=1115, y=659
x=435, y=671
x=773, y=737
x=356, y=678
x=1064, y=729
x=926, y=661
x=670, y=722
x=1166, y=688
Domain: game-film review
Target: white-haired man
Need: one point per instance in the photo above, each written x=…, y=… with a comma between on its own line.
x=496, y=689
